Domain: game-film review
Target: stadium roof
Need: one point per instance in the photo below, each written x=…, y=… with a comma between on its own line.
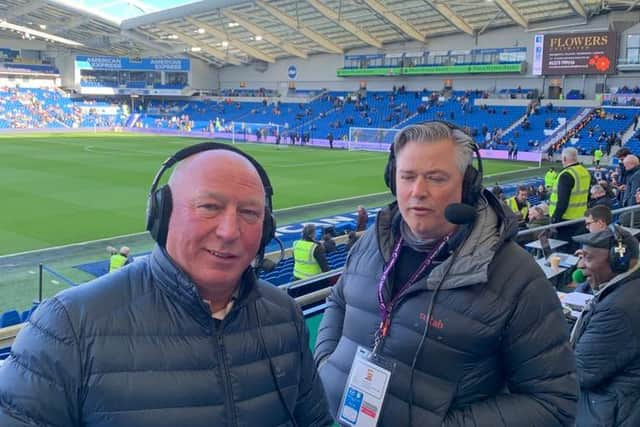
x=224, y=32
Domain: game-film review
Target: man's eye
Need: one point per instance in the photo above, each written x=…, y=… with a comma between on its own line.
x=208, y=207
x=407, y=177
x=250, y=215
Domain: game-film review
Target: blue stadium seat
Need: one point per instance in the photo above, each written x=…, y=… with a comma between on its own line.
x=9, y=318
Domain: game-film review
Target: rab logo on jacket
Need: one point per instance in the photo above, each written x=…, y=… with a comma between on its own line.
x=434, y=323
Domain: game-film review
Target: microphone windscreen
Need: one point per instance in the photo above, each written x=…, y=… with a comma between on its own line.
x=460, y=213
x=578, y=276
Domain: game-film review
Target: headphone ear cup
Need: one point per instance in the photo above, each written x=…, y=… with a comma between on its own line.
x=159, y=213
x=471, y=186
x=390, y=172
x=268, y=229
x=619, y=259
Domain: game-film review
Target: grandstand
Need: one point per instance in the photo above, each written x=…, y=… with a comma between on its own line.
x=95, y=95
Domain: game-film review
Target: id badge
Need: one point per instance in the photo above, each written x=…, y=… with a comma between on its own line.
x=366, y=389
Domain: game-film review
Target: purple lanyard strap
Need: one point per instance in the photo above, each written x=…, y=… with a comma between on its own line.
x=387, y=307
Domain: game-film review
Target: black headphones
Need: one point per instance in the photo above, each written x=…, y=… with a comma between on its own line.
x=620, y=254
x=472, y=180
x=160, y=203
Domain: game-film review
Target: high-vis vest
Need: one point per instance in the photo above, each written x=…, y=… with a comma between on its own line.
x=117, y=261
x=550, y=178
x=305, y=265
x=579, y=193
x=597, y=155
x=513, y=205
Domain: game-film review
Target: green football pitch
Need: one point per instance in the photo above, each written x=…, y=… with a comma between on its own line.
x=59, y=189
x=62, y=189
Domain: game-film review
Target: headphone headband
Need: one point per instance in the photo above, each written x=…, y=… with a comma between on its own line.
x=159, y=204
x=472, y=178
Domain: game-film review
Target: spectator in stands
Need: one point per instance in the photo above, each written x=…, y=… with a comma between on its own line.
x=631, y=165
x=352, y=237
x=363, y=219
x=605, y=337
x=519, y=204
x=444, y=373
x=163, y=341
x=568, y=199
x=632, y=219
x=538, y=216
x=599, y=197
x=597, y=218
x=597, y=156
x=620, y=155
x=118, y=259
x=541, y=193
x=327, y=240
x=308, y=255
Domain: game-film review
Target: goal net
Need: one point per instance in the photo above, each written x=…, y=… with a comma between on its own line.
x=255, y=132
x=371, y=139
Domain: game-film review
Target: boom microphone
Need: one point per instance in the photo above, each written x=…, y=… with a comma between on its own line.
x=460, y=213
x=578, y=276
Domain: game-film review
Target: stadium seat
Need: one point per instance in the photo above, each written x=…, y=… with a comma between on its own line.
x=9, y=318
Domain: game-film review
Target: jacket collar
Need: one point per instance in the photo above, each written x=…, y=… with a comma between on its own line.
x=476, y=245
x=174, y=282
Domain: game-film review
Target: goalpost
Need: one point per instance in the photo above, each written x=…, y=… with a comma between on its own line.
x=256, y=132
x=379, y=139
x=371, y=139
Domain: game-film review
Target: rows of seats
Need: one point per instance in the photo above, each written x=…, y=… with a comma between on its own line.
x=283, y=273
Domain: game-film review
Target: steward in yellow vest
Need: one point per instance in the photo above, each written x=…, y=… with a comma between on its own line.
x=570, y=193
x=519, y=204
x=308, y=255
x=550, y=178
x=118, y=259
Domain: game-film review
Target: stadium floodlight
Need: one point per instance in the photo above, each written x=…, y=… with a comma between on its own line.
x=29, y=32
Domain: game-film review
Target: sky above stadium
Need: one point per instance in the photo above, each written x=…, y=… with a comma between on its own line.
x=123, y=9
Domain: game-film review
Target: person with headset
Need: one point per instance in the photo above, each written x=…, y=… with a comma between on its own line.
x=187, y=337
x=606, y=337
x=453, y=322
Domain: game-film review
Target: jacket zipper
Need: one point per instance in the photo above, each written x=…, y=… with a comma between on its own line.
x=228, y=400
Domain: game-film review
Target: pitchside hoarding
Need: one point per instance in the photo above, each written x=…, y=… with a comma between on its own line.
x=575, y=53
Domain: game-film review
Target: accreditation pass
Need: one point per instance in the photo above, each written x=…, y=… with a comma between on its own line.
x=365, y=391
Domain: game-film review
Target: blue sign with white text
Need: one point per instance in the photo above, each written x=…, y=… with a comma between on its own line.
x=124, y=63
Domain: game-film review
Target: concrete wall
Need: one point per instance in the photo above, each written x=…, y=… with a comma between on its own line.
x=203, y=75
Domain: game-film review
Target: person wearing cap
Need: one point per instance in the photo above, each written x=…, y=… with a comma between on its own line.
x=606, y=337
x=309, y=255
x=119, y=259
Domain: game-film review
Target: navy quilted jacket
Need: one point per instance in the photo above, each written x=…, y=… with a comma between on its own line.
x=139, y=348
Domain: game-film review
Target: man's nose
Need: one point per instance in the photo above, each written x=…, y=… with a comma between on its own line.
x=420, y=187
x=229, y=226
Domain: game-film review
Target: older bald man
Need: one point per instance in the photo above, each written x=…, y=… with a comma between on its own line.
x=631, y=166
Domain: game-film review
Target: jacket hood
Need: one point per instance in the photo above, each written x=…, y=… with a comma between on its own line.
x=474, y=246
x=182, y=290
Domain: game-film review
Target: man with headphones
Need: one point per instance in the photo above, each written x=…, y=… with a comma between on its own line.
x=453, y=322
x=186, y=337
x=606, y=337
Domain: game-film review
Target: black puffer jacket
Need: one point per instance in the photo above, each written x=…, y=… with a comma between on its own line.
x=497, y=352
x=139, y=348
x=607, y=347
